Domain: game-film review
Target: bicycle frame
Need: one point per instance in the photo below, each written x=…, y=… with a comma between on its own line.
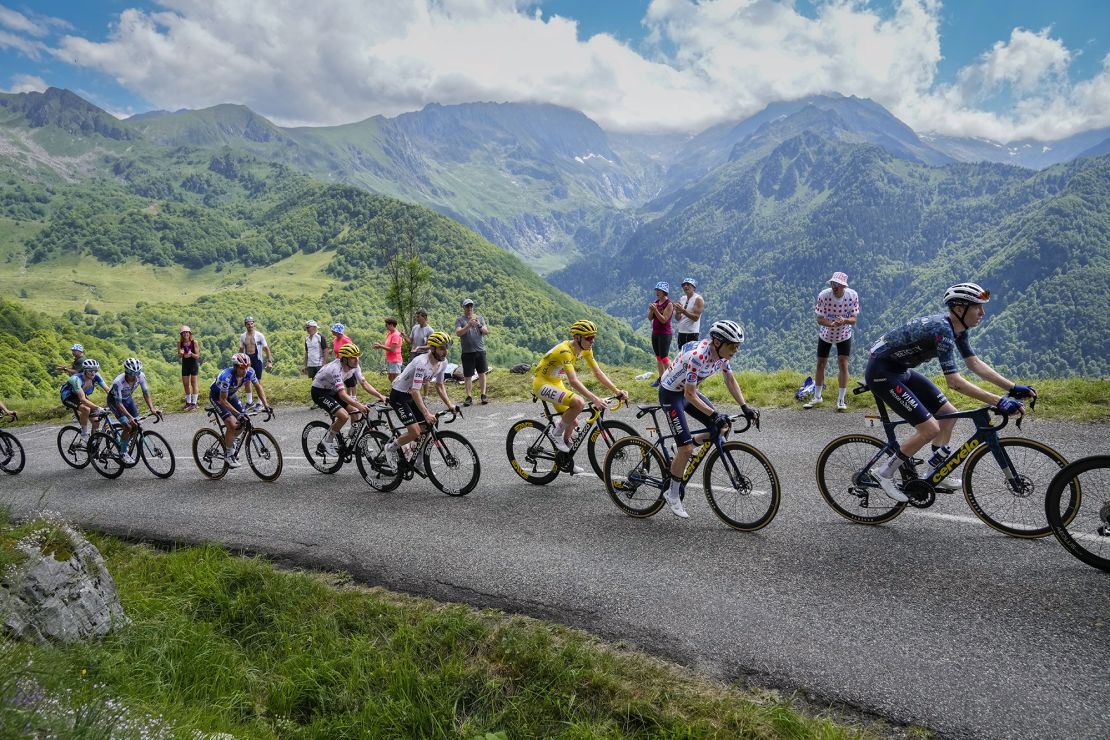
x=428, y=435
x=714, y=440
x=242, y=433
x=580, y=437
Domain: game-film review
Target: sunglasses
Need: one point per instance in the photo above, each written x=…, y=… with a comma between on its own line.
x=985, y=295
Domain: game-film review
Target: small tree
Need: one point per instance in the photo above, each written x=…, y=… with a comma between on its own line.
x=408, y=279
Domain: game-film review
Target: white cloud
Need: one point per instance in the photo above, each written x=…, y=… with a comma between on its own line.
x=27, y=83
x=708, y=61
x=20, y=23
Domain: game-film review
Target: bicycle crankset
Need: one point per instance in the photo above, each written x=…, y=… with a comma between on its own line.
x=921, y=494
x=565, y=461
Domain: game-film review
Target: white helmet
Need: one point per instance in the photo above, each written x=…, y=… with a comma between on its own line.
x=132, y=366
x=962, y=293
x=727, y=331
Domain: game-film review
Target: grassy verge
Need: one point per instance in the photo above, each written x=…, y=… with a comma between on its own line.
x=224, y=644
x=1075, y=399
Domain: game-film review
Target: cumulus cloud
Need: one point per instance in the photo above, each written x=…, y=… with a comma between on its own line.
x=27, y=83
x=706, y=61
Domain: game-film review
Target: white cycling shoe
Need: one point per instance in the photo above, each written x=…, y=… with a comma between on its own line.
x=675, y=502
x=890, y=488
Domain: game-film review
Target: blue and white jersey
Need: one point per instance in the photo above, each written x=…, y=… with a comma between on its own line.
x=78, y=382
x=121, y=390
x=693, y=366
x=921, y=340
x=226, y=382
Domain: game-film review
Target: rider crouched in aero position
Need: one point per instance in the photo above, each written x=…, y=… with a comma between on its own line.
x=915, y=398
x=75, y=395
x=679, y=395
x=406, y=400
x=121, y=400
x=223, y=395
x=329, y=392
x=558, y=366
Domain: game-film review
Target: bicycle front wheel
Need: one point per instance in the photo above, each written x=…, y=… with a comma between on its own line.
x=1012, y=501
x=531, y=452
x=847, y=488
x=1078, y=509
x=312, y=443
x=74, y=452
x=636, y=475
x=208, y=454
x=742, y=486
x=157, y=455
x=263, y=454
x=370, y=459
x=105, y=455
x=452, y=463
x=602, y=438
x=11, y=454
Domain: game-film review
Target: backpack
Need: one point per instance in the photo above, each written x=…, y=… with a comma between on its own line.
x=520, y=369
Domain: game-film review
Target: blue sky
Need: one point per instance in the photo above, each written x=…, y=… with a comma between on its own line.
x=630, y=64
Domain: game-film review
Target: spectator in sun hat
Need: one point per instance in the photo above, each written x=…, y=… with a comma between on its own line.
x=338, y=338
x=471, y=329
x=687, y=313
x=661, y=311
x=188, y=349
x=837, y=308
x=315, y=349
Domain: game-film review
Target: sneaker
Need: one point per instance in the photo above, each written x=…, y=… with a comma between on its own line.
x=468, y=401
x=232, y=461
x=675, y=502
x=841, y=406
x=485, y=399
x=890, y=488
x=812, y=402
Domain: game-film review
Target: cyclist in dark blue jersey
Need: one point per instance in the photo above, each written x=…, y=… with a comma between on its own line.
x=223, y=396
x=915, y=398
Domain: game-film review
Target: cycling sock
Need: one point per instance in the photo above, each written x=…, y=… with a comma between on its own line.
x=893, y=463
x=330, y=436
x=85, y=431
x=817, y=392
x=250, y=399
x=675, y=486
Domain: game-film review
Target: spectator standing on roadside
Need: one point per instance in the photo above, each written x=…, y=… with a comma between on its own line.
x=837, y=308
x=687, y=313
x=75, y=365
x=472, y=330
x=338, y=338
x=661, y=311
x=392, y=347
x=315, y=350
x=253, y=344
x=188, y=349
x=418, y=341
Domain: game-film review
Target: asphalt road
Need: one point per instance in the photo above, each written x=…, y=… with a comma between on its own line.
x=933, y=619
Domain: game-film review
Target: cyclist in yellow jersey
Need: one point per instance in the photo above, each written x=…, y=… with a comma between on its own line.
x=557, y=367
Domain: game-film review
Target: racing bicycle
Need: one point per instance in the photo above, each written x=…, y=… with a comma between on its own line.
x=110, y=453
x=315, y=451
x=11, y=451
x=446, y=458
x=1005, y=479
x=530, y=444
x=1083, y=485
x=263, y=452
x=739, y=481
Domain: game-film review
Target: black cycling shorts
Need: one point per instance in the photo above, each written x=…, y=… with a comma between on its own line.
x=843, y=348
x=661, y=345
x=327, y=399
x=909, y=394
x=405, y=406
x=675, y=408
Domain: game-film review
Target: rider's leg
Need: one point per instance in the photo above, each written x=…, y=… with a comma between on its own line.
x=569, y=418
x=231, y=426
x=338, y=420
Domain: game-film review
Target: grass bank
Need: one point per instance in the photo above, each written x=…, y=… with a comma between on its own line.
x=225, y=644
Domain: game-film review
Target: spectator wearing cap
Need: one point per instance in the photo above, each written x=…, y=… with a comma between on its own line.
x=687, y=313
x=253, y=344
x=661, y=311
x=837, y=308
x=315, y=349
x=74, y=367
x=188, y=349
x=392, y=347
x=471, y=329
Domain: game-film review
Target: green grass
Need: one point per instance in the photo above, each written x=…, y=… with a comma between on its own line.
x=228, y=644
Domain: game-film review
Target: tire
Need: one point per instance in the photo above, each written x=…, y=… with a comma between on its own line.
x=531, y=452
x=263, y=454
x=636, y=475
x=1078, y=509
x=990, y=496
x=750, y=502
x=11, y=454
x=208, y=454
x=368, y=455
x=157, y=455
x=452, y=463
x=105, y=456
x=68, y=438
x=312, y=444
x=604, y=435
x=852, y=495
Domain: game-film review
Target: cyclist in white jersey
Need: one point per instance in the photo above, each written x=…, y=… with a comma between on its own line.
x=679, y=394
x=122, y=402
x=405, y=396
x=329, y=392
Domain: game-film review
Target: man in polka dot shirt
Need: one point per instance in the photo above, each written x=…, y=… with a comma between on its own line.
x=837, y=308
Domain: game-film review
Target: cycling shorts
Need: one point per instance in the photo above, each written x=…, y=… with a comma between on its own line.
x=327, y=399
x=675, y=408
x=223, y=413
x=128, y=403
x=843, y=347
x=405, y=406
x=555, y=393
x=907, y=392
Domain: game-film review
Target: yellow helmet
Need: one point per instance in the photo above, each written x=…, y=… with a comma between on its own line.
x=438, y=339
x=584, y=328
x=349, y=350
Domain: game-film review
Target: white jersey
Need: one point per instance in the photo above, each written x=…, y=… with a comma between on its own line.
x=331, y=376
x=419, y=372
x=122, y=390
x=693, y=366
x=684, y=324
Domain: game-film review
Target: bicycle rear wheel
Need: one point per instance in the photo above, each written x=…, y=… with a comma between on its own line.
x=452, y=463
x=1015, y=507
x=851, y=492
x=263, y=454
x=208, y=454
x=370, y=459
x=74, y=452
x=636, y=475
x=531, y=452
x=11, y=454
x=105, y=455
x=1082, y=489
x=742, y=486
x=157, y=455
x=602, y=438
x=312, y=443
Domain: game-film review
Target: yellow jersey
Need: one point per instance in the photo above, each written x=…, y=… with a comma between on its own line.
x=560, y=358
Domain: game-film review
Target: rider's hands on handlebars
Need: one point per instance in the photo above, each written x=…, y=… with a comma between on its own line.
x=1023, y=391
x=749, y=413
x=1009, y=405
